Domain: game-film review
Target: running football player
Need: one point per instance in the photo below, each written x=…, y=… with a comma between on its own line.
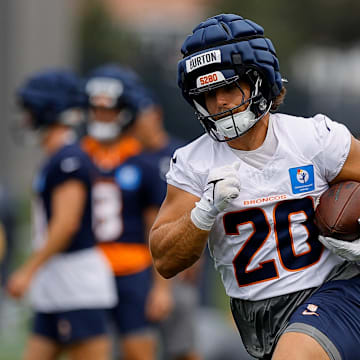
x=248, y=188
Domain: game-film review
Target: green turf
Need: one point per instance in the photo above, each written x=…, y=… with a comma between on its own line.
x=14, y=318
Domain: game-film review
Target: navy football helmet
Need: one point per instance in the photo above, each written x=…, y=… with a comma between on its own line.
x=51, y=96
x=227, y=49
x=111, y=87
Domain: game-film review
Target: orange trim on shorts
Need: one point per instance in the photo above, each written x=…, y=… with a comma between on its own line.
x=125, y=258
x=109, y=156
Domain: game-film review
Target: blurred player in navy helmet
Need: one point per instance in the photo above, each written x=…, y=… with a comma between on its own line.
x=239, y=190
x=69, y=279
x=127, y=195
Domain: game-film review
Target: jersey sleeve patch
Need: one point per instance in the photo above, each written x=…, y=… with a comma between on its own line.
x=70, y=167
x=70, y=164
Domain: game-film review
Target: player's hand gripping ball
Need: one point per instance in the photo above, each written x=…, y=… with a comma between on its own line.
x=337, y=217
x=338, y=212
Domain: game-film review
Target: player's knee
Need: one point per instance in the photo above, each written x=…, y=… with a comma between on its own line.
x=298, y=346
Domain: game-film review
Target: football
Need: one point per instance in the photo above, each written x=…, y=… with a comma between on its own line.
x=338, y=211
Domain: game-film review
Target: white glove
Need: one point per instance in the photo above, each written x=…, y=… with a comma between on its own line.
x=345, y=249
x=223, y=186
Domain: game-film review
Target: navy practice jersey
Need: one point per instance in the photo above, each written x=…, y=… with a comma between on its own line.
x=121, y=196
x=68, y=163
x=142, y=182
x=161, y=158
x=144, y=174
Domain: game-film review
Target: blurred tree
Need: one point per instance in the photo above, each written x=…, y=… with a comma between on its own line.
x=292, y=26
x=102, y=39
x=153, y=56
x=296, y=24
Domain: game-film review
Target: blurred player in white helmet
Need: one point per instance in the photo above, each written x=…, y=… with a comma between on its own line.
x=128, y=193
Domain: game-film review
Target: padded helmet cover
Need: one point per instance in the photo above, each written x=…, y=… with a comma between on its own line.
x=229, y=44
x=49, y=93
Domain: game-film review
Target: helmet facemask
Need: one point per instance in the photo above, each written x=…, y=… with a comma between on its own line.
x=111, y=130
x=232, y=123
x=108, y=94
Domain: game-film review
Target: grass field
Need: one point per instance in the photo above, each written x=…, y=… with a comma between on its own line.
x=14, y=318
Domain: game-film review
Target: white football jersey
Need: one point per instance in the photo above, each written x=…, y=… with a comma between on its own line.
x=265, y=243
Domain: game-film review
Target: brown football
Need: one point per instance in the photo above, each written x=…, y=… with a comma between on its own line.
x=339, y=210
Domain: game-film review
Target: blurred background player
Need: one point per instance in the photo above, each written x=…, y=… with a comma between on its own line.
x=70, y=281
x=127, y=197
x=178, y=330
x=230, y=75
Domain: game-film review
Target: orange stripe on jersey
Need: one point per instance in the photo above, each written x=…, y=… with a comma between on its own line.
x=109, y=156
x=127, y=259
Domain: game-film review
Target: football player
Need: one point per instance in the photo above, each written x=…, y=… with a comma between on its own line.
x=248, y=187
x=178, y=330
x=127, y=197
x=69, y=279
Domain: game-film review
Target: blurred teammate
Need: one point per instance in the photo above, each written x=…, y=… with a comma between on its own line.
x=127, y=198
x=69, y=279
x=249, y=189
x=178, y=330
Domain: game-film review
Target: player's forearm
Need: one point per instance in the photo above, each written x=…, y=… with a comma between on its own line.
x=176, y=245
x=160, y=282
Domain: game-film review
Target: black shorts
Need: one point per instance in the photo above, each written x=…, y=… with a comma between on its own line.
x=69, y=327
x=261, y=323
x=332, y=317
